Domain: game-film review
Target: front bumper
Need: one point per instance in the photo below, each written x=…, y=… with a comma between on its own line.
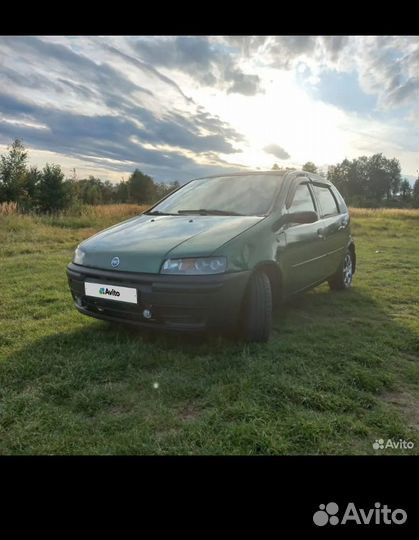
x=175, y=302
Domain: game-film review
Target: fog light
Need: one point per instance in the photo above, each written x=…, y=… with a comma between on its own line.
x=78, y=300
x=147, y=314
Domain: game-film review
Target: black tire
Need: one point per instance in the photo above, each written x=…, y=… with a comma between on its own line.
x=257, y=314
x=342, y=278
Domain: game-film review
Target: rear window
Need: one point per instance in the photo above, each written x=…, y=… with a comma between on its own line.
x=327, y=201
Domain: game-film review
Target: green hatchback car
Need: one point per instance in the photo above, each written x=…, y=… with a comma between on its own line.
x=219, y=252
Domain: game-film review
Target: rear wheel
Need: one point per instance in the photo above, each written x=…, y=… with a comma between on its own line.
x=342, y=279
x=257, y=315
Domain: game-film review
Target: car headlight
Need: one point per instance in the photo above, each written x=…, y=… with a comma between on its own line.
x=196, y=266
x=78, y=256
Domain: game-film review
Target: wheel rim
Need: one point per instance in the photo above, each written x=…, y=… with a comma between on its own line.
x=347, y=270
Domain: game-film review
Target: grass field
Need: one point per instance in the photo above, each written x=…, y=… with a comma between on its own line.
x=340, y=371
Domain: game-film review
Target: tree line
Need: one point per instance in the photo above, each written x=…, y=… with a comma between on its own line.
x=370, y=182
x=47, y=189
x=365, y=181
x=374, y=181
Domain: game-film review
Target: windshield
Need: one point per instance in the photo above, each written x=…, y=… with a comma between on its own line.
x=247, y=195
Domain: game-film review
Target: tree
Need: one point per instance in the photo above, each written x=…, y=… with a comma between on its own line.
x=276, y=167
x=108, y=191
x=164, y=189
x=405, y=190
x=121, y=193
x=90, y=190
x=367, y=181
x=12, y=172
x=310, y=167
x=28, y=196
x=393, y=170
x=383, y=178
x=349, y=177
x=175, y=185
x=53, y=194
x=141, y=188
x=415, y=194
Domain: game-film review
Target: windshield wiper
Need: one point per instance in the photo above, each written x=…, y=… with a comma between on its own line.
x=158, y=213
x=210, y=212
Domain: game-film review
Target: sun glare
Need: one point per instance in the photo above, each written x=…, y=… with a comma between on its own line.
x=285, y=115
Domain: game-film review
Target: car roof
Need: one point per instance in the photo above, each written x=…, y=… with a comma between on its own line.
x=291, y=174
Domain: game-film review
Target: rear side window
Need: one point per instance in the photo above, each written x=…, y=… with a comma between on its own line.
x=302, y=201
x=327, y=201
x=341, y=202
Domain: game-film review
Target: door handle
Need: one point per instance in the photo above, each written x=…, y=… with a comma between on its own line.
x=343, y=225
x=320, y=233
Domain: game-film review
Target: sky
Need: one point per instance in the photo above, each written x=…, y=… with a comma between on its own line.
x=180, y=107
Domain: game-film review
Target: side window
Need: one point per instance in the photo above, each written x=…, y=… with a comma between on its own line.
x=302, y=201
x=326, y=200
x=341, y=201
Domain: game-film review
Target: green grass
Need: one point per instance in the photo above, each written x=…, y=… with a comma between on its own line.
x=340, y=371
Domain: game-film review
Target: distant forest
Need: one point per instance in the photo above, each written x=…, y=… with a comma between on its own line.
x=372, y=182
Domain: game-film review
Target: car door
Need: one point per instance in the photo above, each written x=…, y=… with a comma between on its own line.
x=298, y=243
x=332, y=228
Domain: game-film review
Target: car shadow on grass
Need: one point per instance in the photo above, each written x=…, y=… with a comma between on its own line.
x=318, y=386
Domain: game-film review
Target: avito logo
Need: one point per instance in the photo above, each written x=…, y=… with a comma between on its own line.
x=378, y=515
x=380, y=444
x=109, y=292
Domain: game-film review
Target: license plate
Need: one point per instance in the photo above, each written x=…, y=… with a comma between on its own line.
x=111, y=292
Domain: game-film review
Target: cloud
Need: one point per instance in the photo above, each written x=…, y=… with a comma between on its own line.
x=403, y=92
x=96, y=111
x=284, y=50
x=206, y=62
x=242, y=83
x=111, y=137
x=246, y=45
x=145, y=66
x=334, y=45
x=276, y=151
x=193, y=55
x=387, y=66
x=62, y=59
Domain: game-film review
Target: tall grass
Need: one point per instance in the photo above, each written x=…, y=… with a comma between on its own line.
x=8, y=208
x=385, y=212
x=88, y=210
x=122, y=210
x=108, y=211
x=81, y=217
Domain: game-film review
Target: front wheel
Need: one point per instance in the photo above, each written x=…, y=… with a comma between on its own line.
x=342, y=279
x=257, y=314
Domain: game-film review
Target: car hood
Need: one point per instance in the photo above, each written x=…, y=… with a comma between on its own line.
x=144, y=242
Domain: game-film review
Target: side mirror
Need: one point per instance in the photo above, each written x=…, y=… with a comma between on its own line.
x=295, y=217
x=300, y=217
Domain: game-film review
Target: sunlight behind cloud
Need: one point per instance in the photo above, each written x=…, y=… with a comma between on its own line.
x=285, y=115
